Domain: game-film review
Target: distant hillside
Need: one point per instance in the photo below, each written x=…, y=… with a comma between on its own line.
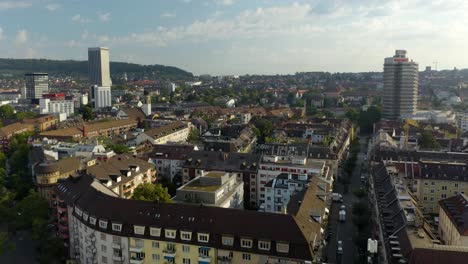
x=66, y=67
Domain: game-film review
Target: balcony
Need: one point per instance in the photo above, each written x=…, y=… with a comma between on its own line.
x=169, y=252
x=116, y=245
x=136, y=249
x=137, y=260
x=203, y=258
x=117, y=258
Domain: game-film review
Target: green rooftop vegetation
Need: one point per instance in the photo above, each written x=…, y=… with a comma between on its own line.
x=196, y=185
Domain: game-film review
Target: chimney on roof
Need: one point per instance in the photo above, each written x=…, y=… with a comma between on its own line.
x=85, y=131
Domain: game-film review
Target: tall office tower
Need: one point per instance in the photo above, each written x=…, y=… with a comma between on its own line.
x=400, y=86
x=36, y=84
x=99, y=77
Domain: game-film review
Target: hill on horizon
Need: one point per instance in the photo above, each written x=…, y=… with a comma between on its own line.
x=69, y=67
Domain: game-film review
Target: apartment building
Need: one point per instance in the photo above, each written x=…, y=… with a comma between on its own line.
x=213, y=188
x=243, y=166
x=43, y=122
x=169, y=159
x=122, y=174
x=92, y=130
x=278, y=191
x=434, y=181
x=173, y=132
x=272, y=166
x=406, y=236
x=8, y=131
x=101, y=228
x=48, y=173
x=453, y=220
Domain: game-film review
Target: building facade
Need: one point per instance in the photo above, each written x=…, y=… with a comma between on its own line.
x=213, y=188
x=400, y=86
x=100, y=228
x=173, y=132
x=36, y=85
x=278, y=192
x=99, y=77
x=453, y=220
x=60, y=106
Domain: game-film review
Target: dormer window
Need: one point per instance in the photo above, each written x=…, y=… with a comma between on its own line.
x=138, y=230
x=156, y=232
x=264, y=245
x=184, y=235
x=246, y=243
x=92, y=220
x=78, y=211
x=282, y=247
x=228, y=241
x=85, y=216
x=117, y=227
x=203, y=237
x=103, y=224
x=170, y=233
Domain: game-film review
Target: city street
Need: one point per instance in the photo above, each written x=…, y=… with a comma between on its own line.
x=344, y=231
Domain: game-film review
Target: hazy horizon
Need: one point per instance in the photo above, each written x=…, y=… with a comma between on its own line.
x=237, y=37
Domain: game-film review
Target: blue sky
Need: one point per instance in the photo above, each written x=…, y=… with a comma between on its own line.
x=240, y=36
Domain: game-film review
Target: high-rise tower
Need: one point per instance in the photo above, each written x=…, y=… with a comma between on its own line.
x=99, y=77
x=400, y=77
x=36, y=85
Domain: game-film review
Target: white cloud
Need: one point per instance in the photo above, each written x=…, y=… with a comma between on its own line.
x=103, y=39
x=78, y=18
x=168, y=15
x=104, y=16
x=224, y=2
x=21, y=37
x=52, y=7
x=5, y=5
x=1, y=33
x=85, y=34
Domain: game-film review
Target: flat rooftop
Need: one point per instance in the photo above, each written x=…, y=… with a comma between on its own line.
x=196, y=185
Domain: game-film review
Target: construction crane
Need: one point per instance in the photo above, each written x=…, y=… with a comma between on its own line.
x=406, y=128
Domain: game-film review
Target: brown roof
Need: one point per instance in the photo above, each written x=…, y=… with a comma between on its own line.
x=118, y=166
x=213, y=220
x=166, y=129
x=135, y=114
x=9, y=130
x=92, y=127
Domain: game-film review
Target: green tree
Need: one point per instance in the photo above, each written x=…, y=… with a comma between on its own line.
x=194, y=135
x=128, y=97
x=7, y=112
x=352, y=114
x=368, y=118
x=119, y=148
x=23, y=115
x=5, y=242
x=31, y=209
x=263, y=129
x=427, y=140
x=151, y=192
x=87, y=112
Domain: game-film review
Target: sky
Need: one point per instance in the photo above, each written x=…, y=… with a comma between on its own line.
x=222, y=37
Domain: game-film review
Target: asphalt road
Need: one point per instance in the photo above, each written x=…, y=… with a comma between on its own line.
x=344, y=231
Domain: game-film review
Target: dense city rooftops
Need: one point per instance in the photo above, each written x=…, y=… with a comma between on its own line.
x=456, y=208
x=215, y=221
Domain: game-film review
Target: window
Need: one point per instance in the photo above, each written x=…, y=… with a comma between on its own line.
x=103, y=224
x=185, y=248
x=203, y=237
x=185, y=235
x=139, y=243
x=443, y=196
x=170, y=233
x=103, y=237
x=117, y=227
x=282, y=247
x=444, y=188
x=139, y=230
x=228, y=241
x=155, y=257
x=263, y=245
x=204, y=252
x=104, y=248
x=456, y=185
x=104, y=259
x=116, y=239
x=185, y=261
x=155, y=231
x=246, y=243
x=425, y=198
x=246, y=256
x=92, y=220
x=155, y=244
